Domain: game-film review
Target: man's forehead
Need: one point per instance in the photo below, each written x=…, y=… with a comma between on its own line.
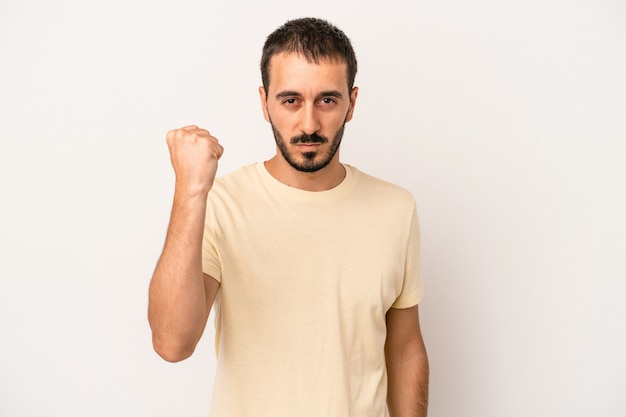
x=287, y=68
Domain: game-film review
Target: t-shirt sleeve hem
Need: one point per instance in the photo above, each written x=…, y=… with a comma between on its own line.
x=408, y=300
x=213, y=272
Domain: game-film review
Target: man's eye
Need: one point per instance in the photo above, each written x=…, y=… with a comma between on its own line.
x=290, y=101
x=327, y=100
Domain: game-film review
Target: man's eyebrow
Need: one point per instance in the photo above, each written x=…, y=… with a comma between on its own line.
x=287, y=93
x=331, y=93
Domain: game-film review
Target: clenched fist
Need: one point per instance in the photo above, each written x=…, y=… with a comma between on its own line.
x=194, y=154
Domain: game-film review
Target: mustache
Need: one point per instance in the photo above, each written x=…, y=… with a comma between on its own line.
x=312, y=138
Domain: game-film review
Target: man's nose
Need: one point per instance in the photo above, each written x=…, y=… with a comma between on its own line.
x=310, y=121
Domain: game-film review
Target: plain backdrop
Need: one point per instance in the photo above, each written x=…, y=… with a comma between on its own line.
x=505, y=119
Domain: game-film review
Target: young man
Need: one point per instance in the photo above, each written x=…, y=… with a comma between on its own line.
x=316, y=264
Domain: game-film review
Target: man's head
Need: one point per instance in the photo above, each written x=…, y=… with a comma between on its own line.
x=313, y=39
x=308, y=70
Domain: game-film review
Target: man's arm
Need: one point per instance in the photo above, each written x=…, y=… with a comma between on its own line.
x=407, y=364
x=181, y=296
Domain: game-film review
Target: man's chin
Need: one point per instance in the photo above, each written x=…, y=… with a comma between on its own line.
x=308, y=163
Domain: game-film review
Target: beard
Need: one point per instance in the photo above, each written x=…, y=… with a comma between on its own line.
x=311, y=161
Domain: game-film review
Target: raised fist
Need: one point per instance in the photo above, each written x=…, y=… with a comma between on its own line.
x=194, y=154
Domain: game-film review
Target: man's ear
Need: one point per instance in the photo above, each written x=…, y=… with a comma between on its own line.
x=263, y=97
x=353, y=96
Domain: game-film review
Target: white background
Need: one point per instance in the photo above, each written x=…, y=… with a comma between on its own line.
x=506, y=120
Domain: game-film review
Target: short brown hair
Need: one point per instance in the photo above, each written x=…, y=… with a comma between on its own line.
x=314, y=39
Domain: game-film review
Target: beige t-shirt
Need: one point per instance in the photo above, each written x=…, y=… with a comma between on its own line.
x=306, y=280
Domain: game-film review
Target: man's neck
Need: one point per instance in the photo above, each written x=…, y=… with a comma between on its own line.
x=326, y=178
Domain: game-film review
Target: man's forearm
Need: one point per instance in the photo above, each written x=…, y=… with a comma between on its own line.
x=177, y=299
x=408, y=387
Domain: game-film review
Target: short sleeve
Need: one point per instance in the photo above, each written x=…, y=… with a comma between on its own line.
x=412, y=287
x=211, y=264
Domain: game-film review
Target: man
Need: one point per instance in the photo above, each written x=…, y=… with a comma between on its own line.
x=316, y=264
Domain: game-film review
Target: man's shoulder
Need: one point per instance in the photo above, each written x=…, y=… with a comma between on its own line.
x=230, y=187
x=380, y=188
x=240, y=177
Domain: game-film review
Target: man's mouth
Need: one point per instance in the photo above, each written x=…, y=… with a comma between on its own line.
x=308, y=139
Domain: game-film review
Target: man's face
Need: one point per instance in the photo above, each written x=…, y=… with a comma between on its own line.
x=307, y=105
